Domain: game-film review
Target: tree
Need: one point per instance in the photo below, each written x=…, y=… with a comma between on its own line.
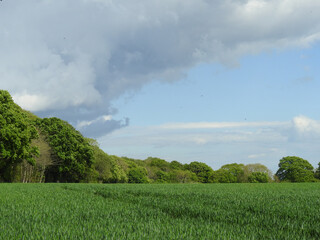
x=102, y=163
x=256, y=167
x=163, y=165
x=228, y=173
x=162, y=177
x=16, y=134
x=138, y=175
x=223, y=176
x=176, y=165
x=118, y=166
x=72, y=149
x=295, y=169
x=317, y=173
x=107, y=168
x=202, y=170
x=235, y=169
x=182, y=176
x=45, y=159
x=258, y=177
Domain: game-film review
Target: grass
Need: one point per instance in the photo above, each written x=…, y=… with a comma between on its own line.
x=168, y=211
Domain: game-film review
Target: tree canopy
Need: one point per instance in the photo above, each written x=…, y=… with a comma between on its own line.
x=229, y=173
x=73, y=150
x=317, y=173
x=16, y=135
x=50, y=149
x=295, y=169
x=257, y=172
x=258, y=177
x=202, y=170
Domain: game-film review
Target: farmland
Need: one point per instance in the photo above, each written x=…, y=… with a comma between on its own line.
x=154, y=211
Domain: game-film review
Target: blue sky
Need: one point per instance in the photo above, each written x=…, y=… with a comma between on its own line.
x=190, y=80
x=273, y=86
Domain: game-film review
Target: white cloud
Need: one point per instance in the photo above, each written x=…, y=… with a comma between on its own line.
x=79, y=50
x=219, y=143
x=100, y=126
x=104, y=118
x=200, y=140
x=31, y=102
x=257, y=156
x=188, y=134
x=107, y=117
x=303, y=125
x=79, y=55
x=305, y=128
x=213, y=125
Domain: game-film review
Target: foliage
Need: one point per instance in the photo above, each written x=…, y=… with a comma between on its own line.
x=229, y=173
x=107, y=169
x=72, y=149
x=16, y=134
x=182, y=176
x=160, y=211
x=162, y=177
x=235, y=169
x=163, y=165
x=223, y=176
x=176, y=165
x=317, y=173
x=50, y=149
x=295, y=169
x=158, y=169
x=202, y=170
x=258, y=177
x=138, y=175
x=256, y=167
x=45, y=159
x=118, y=169
x=102, y=164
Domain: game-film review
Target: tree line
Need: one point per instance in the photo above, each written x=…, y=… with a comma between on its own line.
x=51, y=150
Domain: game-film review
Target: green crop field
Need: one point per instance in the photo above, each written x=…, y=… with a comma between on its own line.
x=168, y=211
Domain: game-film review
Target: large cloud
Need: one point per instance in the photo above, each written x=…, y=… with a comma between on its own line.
x=73, y=57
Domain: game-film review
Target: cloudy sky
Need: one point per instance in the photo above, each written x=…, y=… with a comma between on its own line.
x=218, y=81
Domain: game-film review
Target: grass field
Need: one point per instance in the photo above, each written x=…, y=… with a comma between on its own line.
x=168, y=211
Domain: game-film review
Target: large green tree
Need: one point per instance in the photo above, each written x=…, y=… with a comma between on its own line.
x=71, y=148
x=16, y=134
x=202, y=170
x=229, y=173
x=295, y=169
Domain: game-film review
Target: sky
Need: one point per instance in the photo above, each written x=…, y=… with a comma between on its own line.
x=218, y=81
